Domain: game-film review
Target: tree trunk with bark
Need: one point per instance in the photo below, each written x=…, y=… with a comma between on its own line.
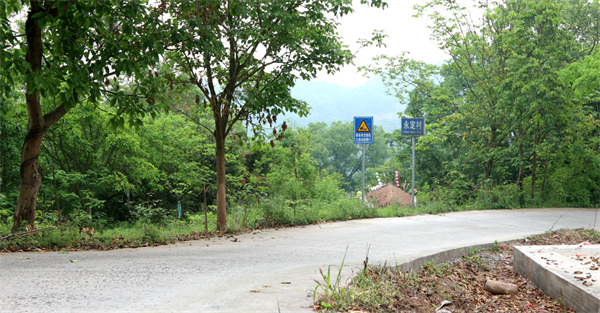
x=31, y=173
x=545, y=175
x=31, y=179
x=487, y=172
x=221, y=178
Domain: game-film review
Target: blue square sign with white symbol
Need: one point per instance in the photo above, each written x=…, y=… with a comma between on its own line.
x=363, y=129
x=413, y=126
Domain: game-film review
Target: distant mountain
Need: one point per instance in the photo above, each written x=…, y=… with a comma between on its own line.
x=332, y=102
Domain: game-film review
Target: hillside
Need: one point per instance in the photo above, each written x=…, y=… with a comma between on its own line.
x=332, y=102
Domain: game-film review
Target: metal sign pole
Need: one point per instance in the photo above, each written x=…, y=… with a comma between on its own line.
x=363, y=172
x=363, y=134
x=413, y=127
x=412, y=188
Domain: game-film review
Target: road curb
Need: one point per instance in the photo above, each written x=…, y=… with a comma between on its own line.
x=442, y=257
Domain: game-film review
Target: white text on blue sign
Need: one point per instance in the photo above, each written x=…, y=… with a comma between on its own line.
x=413, y=126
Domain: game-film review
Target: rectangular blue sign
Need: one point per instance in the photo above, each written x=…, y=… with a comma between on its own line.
x=363, y=129
x=413, y=126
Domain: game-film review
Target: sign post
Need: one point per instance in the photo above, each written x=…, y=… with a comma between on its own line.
x=363, y=134
x=413, y=127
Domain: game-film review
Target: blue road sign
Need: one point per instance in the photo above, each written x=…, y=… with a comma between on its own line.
x=363, y=129
x=413, y=126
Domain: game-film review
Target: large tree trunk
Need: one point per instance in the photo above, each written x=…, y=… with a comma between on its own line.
x=31, y=173
x=31, y=176
x=221, y=181
x=31, y=179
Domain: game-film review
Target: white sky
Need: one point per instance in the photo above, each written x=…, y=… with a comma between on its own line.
x=405, y=33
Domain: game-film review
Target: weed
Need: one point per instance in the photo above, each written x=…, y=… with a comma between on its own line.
x=495, y=246
x=333, y=295
x=433, y=269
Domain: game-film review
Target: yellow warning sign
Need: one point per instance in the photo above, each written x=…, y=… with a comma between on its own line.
x=363, y=128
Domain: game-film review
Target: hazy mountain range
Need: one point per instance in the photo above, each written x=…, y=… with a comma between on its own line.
x=332, y=102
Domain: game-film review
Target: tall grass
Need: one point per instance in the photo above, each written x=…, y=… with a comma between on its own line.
x=275, y=211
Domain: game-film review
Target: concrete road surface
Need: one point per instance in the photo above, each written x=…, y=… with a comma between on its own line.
x=219, y=275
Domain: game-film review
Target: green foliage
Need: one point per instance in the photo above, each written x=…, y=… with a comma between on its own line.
x=515, y=106
x=279, y=211
x=334, y=150
x=125, y=172
x=13, y=122
x=103, y=46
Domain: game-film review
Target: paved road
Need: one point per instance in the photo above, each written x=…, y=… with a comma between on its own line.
x=218, y=275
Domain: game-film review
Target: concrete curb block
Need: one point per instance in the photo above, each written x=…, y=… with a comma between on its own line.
x=558, y=288
x=443, y=257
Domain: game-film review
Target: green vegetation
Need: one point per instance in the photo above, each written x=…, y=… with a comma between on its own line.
x=237, y=60
x=513, y=118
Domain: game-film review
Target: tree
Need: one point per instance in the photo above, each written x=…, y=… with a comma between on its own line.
x=503, y=65
x=335, y=149
x=546, y=36
x=74, y=53
x=244, y=56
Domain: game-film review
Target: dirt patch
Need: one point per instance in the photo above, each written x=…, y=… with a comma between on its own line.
x=388, y=195
x=380, y=289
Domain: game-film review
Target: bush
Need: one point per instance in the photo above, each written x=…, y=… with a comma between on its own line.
x=278, y=211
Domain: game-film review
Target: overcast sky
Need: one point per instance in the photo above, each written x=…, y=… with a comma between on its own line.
x=405, y=32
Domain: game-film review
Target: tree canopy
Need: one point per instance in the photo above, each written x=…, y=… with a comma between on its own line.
x=503, y=108
x=244, y=57
x=74, y=53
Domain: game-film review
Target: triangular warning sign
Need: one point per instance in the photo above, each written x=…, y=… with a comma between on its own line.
x=363, y=128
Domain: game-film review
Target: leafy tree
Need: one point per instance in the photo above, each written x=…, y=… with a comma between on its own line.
x=500, y=104
x=155, y=164
x=244, y=57
x=334, y=148
x=75, y=52
x=546, y=37
x=293, y=173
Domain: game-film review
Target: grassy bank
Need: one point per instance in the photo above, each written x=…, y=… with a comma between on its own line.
x=150, y=229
